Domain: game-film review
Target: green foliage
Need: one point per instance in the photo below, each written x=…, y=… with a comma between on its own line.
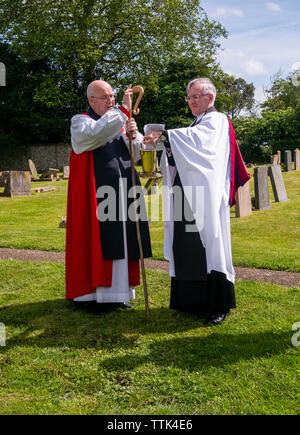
x=259, y=138
x=278, y=128
x=74, y=42
x=167, y=96
x=236, y=95
x=23, y=119
x=282, y=94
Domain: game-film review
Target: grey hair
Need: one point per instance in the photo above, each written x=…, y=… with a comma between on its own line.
x=90, y=90
x=208, y=86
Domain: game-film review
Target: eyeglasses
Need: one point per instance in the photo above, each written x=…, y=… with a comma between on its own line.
x=104, y=97
x=194, y=97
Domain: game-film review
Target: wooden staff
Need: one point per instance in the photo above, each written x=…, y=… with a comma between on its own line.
x=136, y=111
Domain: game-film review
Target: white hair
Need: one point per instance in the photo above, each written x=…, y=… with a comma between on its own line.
x=207, y=84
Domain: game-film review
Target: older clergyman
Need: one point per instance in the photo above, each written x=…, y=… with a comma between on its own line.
x=102, y=254
x=206, y=159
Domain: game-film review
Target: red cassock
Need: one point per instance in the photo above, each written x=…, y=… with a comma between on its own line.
x=85, y=267
x=238, y=172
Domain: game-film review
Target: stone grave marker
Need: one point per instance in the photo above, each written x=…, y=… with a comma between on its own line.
x=297, y=159
x=288, y=160
x=279, y=157
x=3, y=178
x=66, y=172
x=32, y=168
x=277, y=182
x=51, y=174
x=274, y=159
x=261, y=188
x=243, y=201
x=18, y=184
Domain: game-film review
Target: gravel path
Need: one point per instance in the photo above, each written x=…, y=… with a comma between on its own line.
x=287, y=279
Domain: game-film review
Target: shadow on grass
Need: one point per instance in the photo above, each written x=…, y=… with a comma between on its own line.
x=58, y=324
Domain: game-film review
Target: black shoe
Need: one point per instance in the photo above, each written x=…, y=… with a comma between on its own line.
x=216, y=319
x=90, y=307
x=126, y=305
x=87, y=306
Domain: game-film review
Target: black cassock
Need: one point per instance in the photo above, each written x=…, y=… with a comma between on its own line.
x=193, y=289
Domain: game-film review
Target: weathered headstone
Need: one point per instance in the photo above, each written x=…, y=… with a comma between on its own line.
x=274, y=159
x=277, y=182
x=44, y=189
x=3, y=178
x=279, y=157
x=18, y=184
x=32, y=168
x=51, y=174
x=243, y=201
x=297, y=159
x=261, y=188
x=66, y=172
x=288, y=160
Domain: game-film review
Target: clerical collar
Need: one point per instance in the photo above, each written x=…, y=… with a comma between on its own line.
x=199, y=118
x=93, y=114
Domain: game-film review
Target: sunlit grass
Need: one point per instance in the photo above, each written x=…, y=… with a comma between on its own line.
x=58, y=360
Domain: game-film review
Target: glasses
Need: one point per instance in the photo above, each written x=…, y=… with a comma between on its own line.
x=105, y=97
x=194, y=97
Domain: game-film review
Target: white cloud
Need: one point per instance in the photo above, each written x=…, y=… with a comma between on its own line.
x=223, y=12
x=274, y=7
x=260, y=95
x=254, y=68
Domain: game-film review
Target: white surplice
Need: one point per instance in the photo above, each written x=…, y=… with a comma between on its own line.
x=202, y=157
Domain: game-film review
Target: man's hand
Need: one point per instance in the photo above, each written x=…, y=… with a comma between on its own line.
x=152, y=138
x=127, y=97
x=131, y=126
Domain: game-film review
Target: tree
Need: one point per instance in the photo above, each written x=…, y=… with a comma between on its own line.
x=118, y=40
x=282, y=94
x=236, y=95
x=165, y=102
x=22, y=119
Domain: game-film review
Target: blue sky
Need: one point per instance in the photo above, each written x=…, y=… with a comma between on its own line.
x=264, y=38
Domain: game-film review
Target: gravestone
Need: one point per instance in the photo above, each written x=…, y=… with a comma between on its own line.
x=51, y=174
x=3, y=178
x=243, y=201
x=279, y=157
x=44, y=189
x=274, y=159
x=277, y=182
x=32, y=167
x=18, y=184
x=261, y=188
x=297, y=159
x=66, y=172
x=288, y=160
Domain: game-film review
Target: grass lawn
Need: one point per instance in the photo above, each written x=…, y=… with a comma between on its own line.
x=266, y=239
x=58, y=360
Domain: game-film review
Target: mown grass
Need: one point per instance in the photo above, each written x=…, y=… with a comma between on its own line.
x=58, y=360
x=266, y=239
